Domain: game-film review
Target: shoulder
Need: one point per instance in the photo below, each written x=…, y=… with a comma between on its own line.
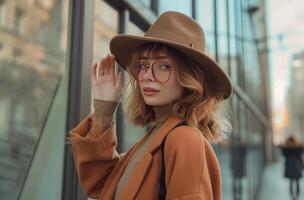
x=185, y=137
x=190, y=141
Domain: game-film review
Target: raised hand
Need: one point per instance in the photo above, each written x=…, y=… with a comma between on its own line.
x=105, y=84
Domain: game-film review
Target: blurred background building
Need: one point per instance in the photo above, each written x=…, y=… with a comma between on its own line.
x=47, y=48
x=295, y=97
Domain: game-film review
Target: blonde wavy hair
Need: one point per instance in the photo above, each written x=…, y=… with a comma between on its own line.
x=199, y=105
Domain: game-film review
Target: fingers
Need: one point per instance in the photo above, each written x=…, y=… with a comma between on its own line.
x=112, y=66
x=94, y=71
x=100, y=67
x=106, y=66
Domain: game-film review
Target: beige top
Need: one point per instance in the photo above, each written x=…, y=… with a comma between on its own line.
x=105, y=110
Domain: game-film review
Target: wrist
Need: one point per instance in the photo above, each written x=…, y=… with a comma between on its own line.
x=104, y=107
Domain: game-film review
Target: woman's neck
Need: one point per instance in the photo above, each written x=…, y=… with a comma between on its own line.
x=162, y=113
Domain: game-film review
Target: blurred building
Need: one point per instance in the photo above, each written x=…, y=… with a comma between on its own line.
x=47, y=48
x=33, y=39
x=280, y=125
x=296, y=96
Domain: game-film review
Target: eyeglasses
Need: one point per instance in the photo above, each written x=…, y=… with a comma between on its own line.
x=161, y=70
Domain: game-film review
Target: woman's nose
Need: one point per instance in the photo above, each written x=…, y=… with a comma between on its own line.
x=148, y=75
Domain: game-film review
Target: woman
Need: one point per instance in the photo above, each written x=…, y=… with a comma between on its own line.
x=176, y=90
x=292, y=151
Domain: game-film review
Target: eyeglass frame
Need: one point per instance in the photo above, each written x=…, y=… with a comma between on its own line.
x=152, y=67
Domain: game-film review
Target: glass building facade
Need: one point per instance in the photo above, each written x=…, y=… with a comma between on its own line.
x=47, y=48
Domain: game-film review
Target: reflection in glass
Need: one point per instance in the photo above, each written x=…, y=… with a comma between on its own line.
x=31, y=69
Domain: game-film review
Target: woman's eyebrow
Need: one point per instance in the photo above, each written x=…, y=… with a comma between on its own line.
x=157, y=57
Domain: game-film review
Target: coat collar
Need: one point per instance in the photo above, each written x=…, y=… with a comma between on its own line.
x=143, y=166
x=162, y=132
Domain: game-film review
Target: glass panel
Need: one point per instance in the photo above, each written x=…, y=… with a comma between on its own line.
x=232, y=42
x=105, y=27
x=183, y=6
x=205, y=17
x=222, y=34
x=146, y=3
x=246, y=154
x=242, y=157
x=32, y=64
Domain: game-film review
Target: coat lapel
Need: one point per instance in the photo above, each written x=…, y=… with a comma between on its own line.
x=137, y=178
x=109, y=189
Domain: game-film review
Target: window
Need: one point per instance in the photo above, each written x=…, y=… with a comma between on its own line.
x=18, y=19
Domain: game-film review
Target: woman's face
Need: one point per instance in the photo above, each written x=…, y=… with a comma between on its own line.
x=158, y=87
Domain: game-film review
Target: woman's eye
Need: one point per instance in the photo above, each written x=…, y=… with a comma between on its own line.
x=165, y=67
x=143, y=66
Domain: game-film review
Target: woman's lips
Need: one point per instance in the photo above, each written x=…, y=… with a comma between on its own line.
x=150, y=91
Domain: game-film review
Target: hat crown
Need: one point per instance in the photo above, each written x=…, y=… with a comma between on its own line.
x=178, y=28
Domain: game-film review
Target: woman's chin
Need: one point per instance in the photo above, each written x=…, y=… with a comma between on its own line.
x=152, y=102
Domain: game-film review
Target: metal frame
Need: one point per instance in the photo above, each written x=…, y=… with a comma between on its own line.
x=80, y=57
x=193, y=5
x=123, y=19
x=154, y=6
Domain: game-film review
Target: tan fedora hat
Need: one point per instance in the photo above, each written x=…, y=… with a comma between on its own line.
x=180, y=32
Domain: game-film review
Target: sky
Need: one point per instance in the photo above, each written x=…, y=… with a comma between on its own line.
x=286, y=18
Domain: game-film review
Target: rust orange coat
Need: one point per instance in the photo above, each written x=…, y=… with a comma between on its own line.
x=192, y=169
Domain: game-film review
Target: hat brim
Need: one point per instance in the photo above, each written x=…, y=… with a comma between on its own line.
x=122, y=46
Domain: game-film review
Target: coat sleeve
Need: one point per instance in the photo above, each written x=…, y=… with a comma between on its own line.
x=95, y=154
x=192, y=170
